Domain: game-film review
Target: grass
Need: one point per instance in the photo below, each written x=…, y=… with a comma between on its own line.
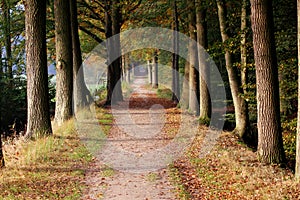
x=46, y=168
x=163, y=92
x=232, y=171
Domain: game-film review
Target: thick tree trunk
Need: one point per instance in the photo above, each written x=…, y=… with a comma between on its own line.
x=38, y=116
x=155, y=70
x=7, y=37
x=112, y=27
x=297, y=169
x=236, y=90
x=81, y=95
x=64, y=61
x=205, y=101
x=193, y=59
x=270, y=145
x=175, y=56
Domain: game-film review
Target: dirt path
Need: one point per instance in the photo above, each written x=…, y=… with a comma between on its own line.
x=137, y=171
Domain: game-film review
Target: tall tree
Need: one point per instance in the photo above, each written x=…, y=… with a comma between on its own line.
x=270, y=145
x=205, y=104
x=112, y=28
x=184, y=99
x=235, y=86
x=297, y=170
x=38, y=117
x=193, y=59
x=155, y=70
x=7, y=36
x=64, y=61
x=81, y=93
x=175, y=55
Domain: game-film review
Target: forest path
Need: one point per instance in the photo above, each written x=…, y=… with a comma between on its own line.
x=142, y=124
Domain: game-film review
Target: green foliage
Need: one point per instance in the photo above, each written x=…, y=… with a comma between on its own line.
x=12, y=101
x=204, y=121
x=164, y=93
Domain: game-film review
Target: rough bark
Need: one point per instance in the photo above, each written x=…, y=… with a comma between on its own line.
x=193, y=59
x=297, y=169
x=64, y=61
x=270, y=145
x=81, y=95
x=175, y=56
x=205, y=101
x=235, y=86
x=155, y=70
x=112, y=27
x=38, y=116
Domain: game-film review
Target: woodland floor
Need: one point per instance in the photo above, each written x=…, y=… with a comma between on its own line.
x=127, y=163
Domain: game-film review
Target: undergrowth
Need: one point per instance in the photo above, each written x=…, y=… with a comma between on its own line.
x=47, y=168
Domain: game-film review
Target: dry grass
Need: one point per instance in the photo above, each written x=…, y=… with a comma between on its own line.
x=47, y=168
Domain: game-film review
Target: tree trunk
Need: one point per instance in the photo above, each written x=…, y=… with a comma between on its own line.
x=297, y=169
x=244, y=71
x=2, y=162
x=64, y=61
x=175, y=56
x=184, y=99
x=270, y=145
x=38, y=116
x=193, y=59
x=155, y=70
x=117, y=63
x=236, y=90
x=112, y=27
x=81, y=95
x=7, y=37
x=205, y=101
x=149, y=65
x=127, y=68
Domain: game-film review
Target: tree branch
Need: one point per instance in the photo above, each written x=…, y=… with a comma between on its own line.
x=94, y=36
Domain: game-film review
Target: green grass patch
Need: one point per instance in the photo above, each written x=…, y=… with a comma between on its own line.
x=165, y=93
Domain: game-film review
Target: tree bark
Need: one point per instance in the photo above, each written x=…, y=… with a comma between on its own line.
x=193, y=59
x=112, y=27
x=81, y=95
x=38, y=116
x=175, y=56
x=297, y=169
x=64, y=61
x=270, y=145
x=239, y=103
x=205, y=101
x=184, y=99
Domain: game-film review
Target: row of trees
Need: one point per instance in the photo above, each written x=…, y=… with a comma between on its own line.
x=201, y=20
